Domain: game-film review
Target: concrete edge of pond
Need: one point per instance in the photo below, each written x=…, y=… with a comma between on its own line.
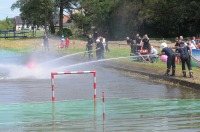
x=156, y=76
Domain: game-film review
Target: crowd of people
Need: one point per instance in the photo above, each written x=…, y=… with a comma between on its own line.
x=139, y=46
x=181, y=50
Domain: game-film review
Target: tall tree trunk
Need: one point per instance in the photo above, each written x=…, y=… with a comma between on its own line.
x=61, y=15
x=52, y=27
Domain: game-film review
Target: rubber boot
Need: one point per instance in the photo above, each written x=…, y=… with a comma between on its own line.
x=191, y=74
x=167, y=72
x=184, y=73
x=173, y=72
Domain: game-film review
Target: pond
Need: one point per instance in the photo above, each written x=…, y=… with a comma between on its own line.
x=129, y=104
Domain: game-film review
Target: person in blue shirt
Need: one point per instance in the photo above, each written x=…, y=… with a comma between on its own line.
x=170, y=59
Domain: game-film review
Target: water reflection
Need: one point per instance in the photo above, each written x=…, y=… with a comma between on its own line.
x=121, y=115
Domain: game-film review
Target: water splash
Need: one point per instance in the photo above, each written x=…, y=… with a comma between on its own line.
x=44, y=69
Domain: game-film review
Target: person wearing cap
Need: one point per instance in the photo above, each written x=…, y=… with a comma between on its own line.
x=185, y=53
x=170, y=58
x=100, y=49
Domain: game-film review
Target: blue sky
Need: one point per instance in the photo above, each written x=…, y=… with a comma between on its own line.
x=5, y=10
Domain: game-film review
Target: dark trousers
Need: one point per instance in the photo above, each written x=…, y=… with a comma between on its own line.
x=90, y=52
x=133, y=49
x=185, y=59
x=171, y=61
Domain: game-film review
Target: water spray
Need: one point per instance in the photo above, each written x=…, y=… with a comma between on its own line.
x=102, y=60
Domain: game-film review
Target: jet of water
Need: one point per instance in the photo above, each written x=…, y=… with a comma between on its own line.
x=97, y=61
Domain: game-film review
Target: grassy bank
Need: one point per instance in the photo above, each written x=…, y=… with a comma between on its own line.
x=117, y=49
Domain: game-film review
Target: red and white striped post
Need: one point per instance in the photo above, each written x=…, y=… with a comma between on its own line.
x=72, y=72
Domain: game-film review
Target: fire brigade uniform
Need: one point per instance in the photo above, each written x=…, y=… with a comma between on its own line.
x=90, y=47
x=132, y=45
x=185, y=52
x=170, y=59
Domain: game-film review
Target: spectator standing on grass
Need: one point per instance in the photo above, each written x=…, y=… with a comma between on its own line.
x=194, y=40
x=138, y=41
x=46, y=42
x=67, y=42
x=177, y=45
x=145, y=43
x=190, y=44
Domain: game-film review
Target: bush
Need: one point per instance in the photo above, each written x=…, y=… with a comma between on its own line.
x=66, y=32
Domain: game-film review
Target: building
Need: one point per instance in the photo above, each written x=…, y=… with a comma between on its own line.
x=20, y=24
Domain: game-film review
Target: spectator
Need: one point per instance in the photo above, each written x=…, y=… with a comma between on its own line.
x=67, y=42
x=138, y=41
x=46, y=41
x=153, y=55
x=145, y=43
x=191, y=44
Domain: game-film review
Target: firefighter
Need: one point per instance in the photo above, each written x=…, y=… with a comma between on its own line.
x=132, y=45
x=89, y=47
x=100, y=49
x=185, y=55
x=170, y=58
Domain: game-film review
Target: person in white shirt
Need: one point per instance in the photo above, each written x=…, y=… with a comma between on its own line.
x=191, y=43
x=153, y=54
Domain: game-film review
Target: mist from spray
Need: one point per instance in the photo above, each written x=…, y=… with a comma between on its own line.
x=40, y=65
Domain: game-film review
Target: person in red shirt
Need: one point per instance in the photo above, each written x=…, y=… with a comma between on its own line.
x=67, y=42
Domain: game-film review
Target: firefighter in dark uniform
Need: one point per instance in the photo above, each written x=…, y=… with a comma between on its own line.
x=89, y=47
x=132, y=45
x=185, y=54
x=170, y=59
x=100, y=49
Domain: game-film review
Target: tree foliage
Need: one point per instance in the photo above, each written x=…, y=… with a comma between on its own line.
x=36, y=12
x=119, y=18
x=160, y=18
x=6, y=24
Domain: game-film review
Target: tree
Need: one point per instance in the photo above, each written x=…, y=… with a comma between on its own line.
x=36, y=12
x=64, y=5
x=6, y=24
